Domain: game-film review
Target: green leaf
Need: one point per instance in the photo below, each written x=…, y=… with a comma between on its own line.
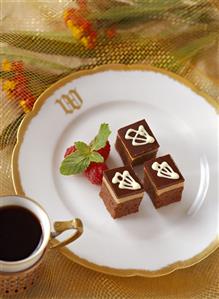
x=96, y=157
x=34, y=61
x=101, y=138
x=195, y=46
x=82, y=147
x=74, y=163
x=43, y=43
x=119, y=13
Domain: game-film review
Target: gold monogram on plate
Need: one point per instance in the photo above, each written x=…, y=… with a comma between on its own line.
x=71, y=101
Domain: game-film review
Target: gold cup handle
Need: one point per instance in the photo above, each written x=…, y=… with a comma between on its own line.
x=62, y=226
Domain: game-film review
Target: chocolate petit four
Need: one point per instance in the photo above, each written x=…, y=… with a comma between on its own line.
x=121, y=191
x=136, y=143
x=163, y=181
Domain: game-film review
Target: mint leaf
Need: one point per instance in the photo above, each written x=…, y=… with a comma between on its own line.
x=82, y=147
x=74, y=163
x=96, y=157
x=101, y=138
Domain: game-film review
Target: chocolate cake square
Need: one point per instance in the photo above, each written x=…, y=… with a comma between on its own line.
x=163, y=181
x=121, y=191
x=136, y=143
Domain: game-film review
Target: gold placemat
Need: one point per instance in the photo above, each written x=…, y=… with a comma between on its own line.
x=41, y=42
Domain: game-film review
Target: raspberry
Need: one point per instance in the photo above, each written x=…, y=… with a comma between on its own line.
x=104, y=152
x=95, y=172
x=69, y=151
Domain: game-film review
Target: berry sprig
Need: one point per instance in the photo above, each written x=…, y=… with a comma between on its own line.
x=82, y=29
x=17, y=86
x=88, y=159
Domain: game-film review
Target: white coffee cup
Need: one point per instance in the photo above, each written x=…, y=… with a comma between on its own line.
x=47, y=234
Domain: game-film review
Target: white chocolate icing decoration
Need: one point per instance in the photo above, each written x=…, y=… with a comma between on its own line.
x=165, y=171
x=141, y=136
x=125, y=181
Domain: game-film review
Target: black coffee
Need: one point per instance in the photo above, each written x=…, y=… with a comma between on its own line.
x=20, y=233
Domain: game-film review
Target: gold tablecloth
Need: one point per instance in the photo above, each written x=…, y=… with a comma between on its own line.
x=181, y=36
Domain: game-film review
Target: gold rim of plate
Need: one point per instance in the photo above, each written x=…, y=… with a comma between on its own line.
x=19, y=190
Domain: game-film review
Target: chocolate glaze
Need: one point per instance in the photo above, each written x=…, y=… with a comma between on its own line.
x=135, y=151
x=109, y=174
x=122, y=150
x=161, y=182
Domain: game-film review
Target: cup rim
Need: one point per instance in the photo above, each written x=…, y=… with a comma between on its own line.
x=41, y=247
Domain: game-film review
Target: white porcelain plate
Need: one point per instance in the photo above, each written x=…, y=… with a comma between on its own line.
x=151, y=242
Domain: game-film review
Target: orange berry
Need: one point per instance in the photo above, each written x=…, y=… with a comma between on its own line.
x=30, y=100
x=70, y=14
x=85, y=41
x=19, y=78
x=17, y=66
x=6, y=65
x=82, y=4
x=19, y=91
x=111, y=32
x=9, y=85
x=24, y=106
x=76, y=32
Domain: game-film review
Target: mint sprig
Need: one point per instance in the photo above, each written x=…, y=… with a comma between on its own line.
x=74, y=163
x=101, y=138
x=78, y=161
x=82, y=147
x=96, y=157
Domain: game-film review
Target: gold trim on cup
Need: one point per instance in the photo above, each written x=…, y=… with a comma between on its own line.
x=19, y=190
x=62, y=226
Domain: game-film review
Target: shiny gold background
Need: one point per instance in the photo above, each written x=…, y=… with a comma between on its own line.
x=61, y=277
